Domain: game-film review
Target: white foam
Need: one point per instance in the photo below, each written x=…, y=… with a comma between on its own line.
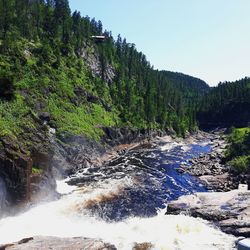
x=63, y=188
x=186, y=148
x=163, y=231
x=63, y=218
x=169, y=146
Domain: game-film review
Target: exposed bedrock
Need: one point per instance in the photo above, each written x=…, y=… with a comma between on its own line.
x=228, y=210
x=15, y=169
x=212, y=170
x=44, y=243
x=29, y=166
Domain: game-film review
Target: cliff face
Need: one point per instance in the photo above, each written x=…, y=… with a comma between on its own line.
x=15, y=170
x=30, y=161
x=93, y=60
x=2, y=194
x=28, y=172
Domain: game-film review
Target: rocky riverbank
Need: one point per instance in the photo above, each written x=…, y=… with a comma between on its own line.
x=227, y=207
x=103, y=193
x=30, y=166
x=228, y=210
x=211, y=168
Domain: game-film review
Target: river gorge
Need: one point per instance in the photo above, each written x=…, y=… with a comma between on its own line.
x=124, y=202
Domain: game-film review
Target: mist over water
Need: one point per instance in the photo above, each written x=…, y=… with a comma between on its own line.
x=3, y=194
x=124, y=203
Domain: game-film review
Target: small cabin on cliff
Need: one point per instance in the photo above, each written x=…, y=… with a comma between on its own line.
x=98, y=38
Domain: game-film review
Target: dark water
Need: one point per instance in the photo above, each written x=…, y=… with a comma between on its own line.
x=156, y=176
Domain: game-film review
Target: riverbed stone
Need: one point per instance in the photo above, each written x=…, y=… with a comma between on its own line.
x=211, y=168
x=143, y=246
x=228, y=210
x=56, y=243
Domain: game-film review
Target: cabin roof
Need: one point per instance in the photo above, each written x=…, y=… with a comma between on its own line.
x=98, y=37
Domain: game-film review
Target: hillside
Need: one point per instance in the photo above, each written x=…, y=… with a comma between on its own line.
x=50, y=63
x=192, y=89
x=226, y=105
x=65, y=91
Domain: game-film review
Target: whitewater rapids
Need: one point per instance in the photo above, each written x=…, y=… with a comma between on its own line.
x=63, y=218
x=124, y=203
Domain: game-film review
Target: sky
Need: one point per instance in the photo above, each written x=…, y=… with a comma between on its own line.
x=209, y=39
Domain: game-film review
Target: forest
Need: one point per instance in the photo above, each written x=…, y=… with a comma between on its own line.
x=52, y=62
x=71, y=92
x=226, y=105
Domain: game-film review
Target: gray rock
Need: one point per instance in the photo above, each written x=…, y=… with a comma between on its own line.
x=228, y=210
x=55, y=243
x=15, y=169
x=92, y=59
x=45, y=116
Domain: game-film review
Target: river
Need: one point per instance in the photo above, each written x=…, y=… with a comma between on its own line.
x=125, y=202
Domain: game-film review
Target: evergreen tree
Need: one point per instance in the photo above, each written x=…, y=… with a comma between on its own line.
x=142, y=96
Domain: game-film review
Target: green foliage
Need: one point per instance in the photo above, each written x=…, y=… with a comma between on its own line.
x=42, y=46
x=239, y=141
x=36, y=170
x=238, y=151
x=241, y=163
x=84, y=119
x=13, y=116
x=226, y=105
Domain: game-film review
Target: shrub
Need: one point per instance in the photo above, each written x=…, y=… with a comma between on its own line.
x=36, y=170
x=241, y=164
x=238, y=143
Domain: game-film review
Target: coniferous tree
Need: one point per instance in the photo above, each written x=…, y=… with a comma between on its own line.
x=144, y=97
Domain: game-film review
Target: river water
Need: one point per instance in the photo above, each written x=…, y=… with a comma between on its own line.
x=124, y=203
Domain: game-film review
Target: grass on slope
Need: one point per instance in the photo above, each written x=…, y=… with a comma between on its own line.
x=45, y=81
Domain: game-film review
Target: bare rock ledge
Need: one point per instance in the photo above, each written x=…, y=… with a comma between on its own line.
x=55, y=243
x=228, y=210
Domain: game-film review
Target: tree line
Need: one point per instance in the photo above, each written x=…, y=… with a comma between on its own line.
x=144, y=97
x=226, y=105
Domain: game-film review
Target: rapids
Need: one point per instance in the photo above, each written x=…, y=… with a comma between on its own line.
x=124, y=203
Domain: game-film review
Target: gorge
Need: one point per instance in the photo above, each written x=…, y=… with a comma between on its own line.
x=124, y=202
x=99, y=150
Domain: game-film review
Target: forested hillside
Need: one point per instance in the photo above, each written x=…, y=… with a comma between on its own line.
x=53, y=68
x=191, y=88
x=226, y=105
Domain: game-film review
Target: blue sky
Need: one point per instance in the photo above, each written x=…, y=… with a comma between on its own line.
x=209, y=39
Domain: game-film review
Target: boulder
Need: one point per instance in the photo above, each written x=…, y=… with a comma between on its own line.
x=228, y=210
x=143, y=246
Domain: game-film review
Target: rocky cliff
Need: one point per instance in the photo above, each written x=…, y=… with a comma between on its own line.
x=28, y=170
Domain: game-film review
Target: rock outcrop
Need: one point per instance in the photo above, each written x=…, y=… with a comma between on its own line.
x=15, y=169
x=55, y=243
x=72, y=153
x=212, y=170
x=228, y=210
x=116, y=136
x=18, y=160
x=92, y=58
